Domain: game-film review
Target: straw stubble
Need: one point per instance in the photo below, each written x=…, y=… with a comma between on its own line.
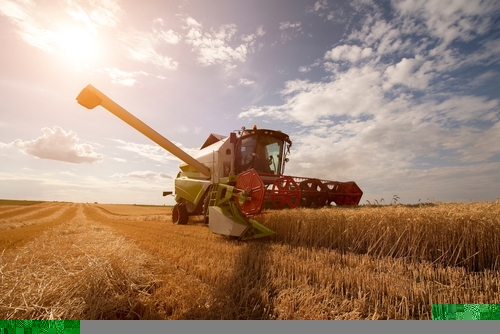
x=384, y=262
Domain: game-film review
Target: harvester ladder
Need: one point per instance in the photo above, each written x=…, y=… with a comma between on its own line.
x=213, y=198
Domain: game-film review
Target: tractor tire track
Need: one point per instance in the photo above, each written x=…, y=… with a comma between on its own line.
x=51, y=213
x=19, y=236
x=4, y=208
x=79, y=269
x=134, y=210
x=109, y=215
x=26, y=211
x=185, y=258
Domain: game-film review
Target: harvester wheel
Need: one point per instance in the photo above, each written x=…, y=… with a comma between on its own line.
x=180, y=214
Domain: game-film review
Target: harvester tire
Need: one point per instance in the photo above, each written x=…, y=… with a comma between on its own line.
x=180, y=214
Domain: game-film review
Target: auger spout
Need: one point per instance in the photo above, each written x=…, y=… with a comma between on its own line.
x=90, y=97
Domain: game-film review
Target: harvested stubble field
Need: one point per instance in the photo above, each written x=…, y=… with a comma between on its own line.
x=93, y=261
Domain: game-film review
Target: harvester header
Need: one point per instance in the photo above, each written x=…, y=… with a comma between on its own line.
x=233, y=178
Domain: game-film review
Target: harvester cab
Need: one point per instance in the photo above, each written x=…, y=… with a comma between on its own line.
x=263, y=150
x=232, y=179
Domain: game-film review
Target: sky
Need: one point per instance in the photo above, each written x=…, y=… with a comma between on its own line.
x=402, y=97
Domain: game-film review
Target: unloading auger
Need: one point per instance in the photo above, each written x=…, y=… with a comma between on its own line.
x=232, y=179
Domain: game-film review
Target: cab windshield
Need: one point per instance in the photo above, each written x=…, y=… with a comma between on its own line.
x=260, y=152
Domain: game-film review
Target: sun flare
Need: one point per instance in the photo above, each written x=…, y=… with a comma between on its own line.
x=78, y=46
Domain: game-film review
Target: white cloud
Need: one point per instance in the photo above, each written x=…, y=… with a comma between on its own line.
x=213, y=47
x=305, y=69
x=451, y=20
x=158, y=20
x=58, y=144
x=245, y=82
x=464, y=109
x=354, y=93
x=143, y=175
x=290, y=30
x=247, y=38
x=383, y=138
x=487, y=54
x=105, y=12
x=169, y=36
x=483, y=78
x=360, y=88
x=387, y=111
x=386, y=154
x=126, y=78
x=218, y=46
x=153, y=152
x=121, y=77
x=351, y=53
x=410, y=72
x=289, y=25
x=484, y=147
x=319, y=5
x=251, y=40
x=79, y=14
x=98, y=13
x=28, y=25
x=428, y=28
x=333, y=11
x=143, y=46
x=182, y=129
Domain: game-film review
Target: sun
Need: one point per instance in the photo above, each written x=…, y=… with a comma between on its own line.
x=78, y=46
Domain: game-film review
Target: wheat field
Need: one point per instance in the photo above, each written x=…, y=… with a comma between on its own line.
x=102, y=261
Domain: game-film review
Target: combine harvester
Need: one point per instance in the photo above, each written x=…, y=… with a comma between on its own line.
x=232, y=179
